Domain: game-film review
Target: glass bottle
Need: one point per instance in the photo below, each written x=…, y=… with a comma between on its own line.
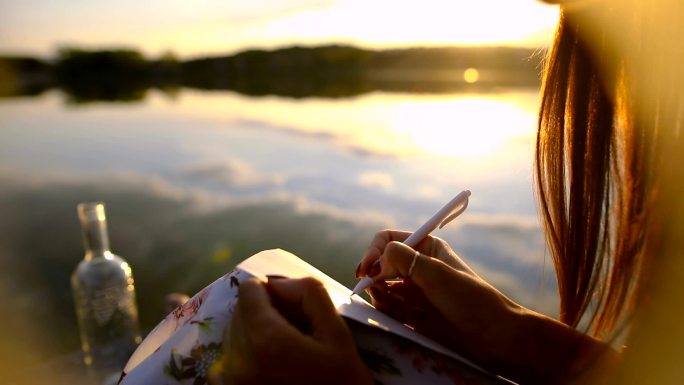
x=104, y=296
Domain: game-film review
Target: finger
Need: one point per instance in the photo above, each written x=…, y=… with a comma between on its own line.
x=392, y=311
x=441, y=250
x=390, y=304
x=256, y=312
x=310, y=297
x=386, y=236
x=403, y=301
x=416, y=304
x=400, y=257
x=237, y=359
x=379, y=285
x=377, y=247
x=292, y=312
x=429, y=274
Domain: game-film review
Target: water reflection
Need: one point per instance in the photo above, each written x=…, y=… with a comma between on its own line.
x=196, y=183
x=396, y=125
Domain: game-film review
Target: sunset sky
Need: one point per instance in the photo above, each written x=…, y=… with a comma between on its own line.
x=191, y=28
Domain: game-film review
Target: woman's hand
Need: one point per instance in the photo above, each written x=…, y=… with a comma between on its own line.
x=446, y=300
x=286, y=332
x=443, y=298
x=432, y=246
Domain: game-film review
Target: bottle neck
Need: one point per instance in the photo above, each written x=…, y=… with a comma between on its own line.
x=94, y=230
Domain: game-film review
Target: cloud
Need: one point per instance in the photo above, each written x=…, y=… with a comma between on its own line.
x=498, y=220
x=306, y=205
x=428, y=191
x=510, y=241
x=194, y=197
x=376, y=179
x=335, y=137
x=124, y=180
x=233, y=172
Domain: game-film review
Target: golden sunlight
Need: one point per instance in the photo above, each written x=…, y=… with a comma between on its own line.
x=385, y=23
x=186, y=28
x=462, y=125
x=471, y=75
x=465, y=126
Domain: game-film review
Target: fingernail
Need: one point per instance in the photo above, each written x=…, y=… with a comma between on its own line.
x=275, y=276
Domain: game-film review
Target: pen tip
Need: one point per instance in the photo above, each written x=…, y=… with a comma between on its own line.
x=362, y=285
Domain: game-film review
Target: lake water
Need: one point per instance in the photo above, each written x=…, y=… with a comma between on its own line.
x=196, y=181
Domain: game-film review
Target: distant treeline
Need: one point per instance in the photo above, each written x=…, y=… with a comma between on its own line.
x=326, y=71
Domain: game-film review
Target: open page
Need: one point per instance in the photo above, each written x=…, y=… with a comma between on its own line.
x=280, y=262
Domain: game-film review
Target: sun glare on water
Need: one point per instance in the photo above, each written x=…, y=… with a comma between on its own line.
x=461, y=125
x=467, y=126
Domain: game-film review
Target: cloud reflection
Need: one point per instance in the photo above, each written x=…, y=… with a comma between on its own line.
x=376, y=179
x=233, y=172
x=387, y=124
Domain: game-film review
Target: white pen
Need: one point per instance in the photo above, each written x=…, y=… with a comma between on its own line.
x=446, y=214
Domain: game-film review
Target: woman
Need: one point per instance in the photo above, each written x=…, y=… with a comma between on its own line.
x=609, y=187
